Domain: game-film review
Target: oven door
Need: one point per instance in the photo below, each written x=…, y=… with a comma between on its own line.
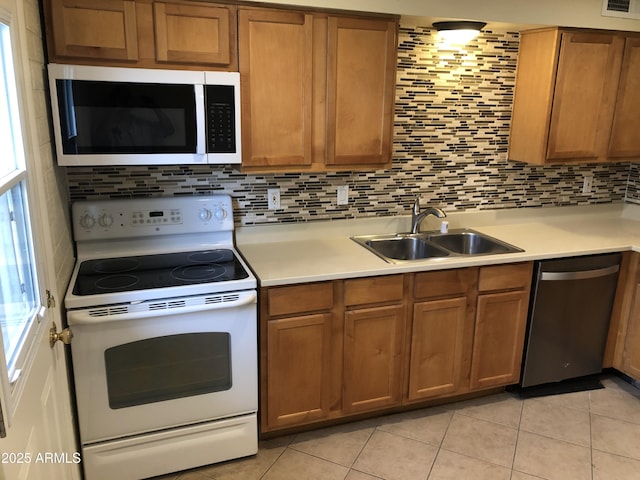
x=160, y=364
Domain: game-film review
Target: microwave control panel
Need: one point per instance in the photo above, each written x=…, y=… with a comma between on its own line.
x=221, y=130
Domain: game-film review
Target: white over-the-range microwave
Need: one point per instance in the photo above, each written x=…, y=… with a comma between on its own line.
x=134, y=116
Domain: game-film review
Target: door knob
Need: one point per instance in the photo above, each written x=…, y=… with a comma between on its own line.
x=64, y=336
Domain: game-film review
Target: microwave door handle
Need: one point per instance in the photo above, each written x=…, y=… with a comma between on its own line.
x=200, y=120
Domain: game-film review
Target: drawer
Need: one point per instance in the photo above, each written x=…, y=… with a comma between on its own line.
x=362, y=291
x=505, y=277
x=295, y=299
x=446, y=283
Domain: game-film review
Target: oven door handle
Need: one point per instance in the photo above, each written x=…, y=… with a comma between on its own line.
x=149, y=309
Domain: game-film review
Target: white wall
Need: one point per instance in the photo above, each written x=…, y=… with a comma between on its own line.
x=569, y=13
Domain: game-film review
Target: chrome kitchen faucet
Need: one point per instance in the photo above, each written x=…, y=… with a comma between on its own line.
x=417, y=216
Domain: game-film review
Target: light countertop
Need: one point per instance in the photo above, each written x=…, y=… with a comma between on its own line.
x=315, y=251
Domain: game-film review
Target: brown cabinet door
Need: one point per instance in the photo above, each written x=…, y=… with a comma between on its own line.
x=373, y=357
x=437, y=347
x=360, y=84
x=298, y=369
x=194, y=33
x=625, y=141
x=103, y=30
x=631, y=352
x=275, y=49
x=585, y=95
x=499, y=338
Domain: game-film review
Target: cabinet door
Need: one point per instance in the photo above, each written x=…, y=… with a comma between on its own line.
x=499, y=338
x=436, y=347
x=275, y=49
x=361, y=64
x=631, y=352
x=625, y=141
x=584, y=98
x=298, y=367
x=194, y=33
x=372, y=357
x=104, y=29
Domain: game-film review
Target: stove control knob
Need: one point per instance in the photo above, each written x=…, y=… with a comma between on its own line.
x=105, y=220
x=87, y=221
x=221, y=213
x=205, y=215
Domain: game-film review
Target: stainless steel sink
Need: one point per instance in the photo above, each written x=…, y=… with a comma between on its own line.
x=401, y=247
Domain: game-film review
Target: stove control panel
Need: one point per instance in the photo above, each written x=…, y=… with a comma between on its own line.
x=105, y=219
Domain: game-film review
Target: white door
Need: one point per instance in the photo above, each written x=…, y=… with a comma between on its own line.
x=36, y=432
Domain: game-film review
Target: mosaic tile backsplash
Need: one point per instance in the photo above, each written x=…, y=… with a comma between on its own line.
x=453, y=110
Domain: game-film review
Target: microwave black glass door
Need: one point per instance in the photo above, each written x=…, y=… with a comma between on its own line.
x=126, y=118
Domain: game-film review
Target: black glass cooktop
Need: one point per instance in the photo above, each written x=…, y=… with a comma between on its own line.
x=110, y=275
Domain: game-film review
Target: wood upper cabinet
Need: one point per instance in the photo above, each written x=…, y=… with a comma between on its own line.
x=576, y=97
x=276, y=75
x=142, y=33
x=317, y=90
x=361, y=67
x=102, y=30
x=501, y=319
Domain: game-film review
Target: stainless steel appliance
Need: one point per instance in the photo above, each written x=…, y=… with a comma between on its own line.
x=135, y=116
x=164, y=354
x=572, y=301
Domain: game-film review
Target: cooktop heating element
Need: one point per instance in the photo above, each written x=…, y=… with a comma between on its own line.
x=155, y=271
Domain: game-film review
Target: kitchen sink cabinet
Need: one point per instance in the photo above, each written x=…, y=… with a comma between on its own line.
x=339, y=348
x=501, y=319
x=142, y=33
x=373, y=342
x=576, y=97
x=317, y=90
x=442, y=326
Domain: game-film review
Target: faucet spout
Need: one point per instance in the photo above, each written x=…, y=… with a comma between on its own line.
x=418, y=216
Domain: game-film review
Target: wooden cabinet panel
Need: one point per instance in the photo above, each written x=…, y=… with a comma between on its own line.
x=96, y=30
x=275, y=49
x=444, y=283
x=361, y=291
x=194, y=33
x=625, y=141
x=437, y=347
x=505, y=277
x=576, y=96
x=585, y=93
x=631, y=353
x=361, y=83
x=499, y=338
x=304, y=298
x=298, y=379
x=373, y=358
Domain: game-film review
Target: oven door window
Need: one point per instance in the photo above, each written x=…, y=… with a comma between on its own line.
x=126, y=118
x=167, y=368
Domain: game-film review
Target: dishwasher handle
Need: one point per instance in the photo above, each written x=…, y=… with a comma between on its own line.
x=580, y=275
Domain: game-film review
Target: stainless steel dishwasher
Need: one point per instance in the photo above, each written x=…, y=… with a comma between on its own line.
x=569, y=317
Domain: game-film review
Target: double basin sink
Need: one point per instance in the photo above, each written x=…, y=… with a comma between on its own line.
x=401, y=247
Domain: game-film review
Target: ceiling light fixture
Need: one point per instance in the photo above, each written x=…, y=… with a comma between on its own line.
x=458, y=32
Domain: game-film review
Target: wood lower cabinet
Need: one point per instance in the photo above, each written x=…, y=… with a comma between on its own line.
x=298, y=356
x=177, y=34
x=442, y=325
x=623, y=347
x=346, y=347
x=501, y=320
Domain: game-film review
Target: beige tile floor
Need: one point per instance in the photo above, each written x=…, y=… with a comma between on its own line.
x=578, y=436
